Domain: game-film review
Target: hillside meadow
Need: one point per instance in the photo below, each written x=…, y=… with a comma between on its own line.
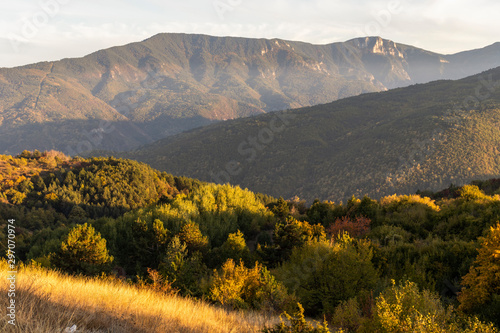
x=49, y=301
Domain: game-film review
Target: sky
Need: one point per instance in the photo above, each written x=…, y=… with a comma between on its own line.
x=47, y=30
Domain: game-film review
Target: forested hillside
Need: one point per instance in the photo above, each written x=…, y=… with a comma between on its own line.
x=402, y=263
x=422, y=137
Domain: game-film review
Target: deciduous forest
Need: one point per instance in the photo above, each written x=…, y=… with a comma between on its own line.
x=424, y=262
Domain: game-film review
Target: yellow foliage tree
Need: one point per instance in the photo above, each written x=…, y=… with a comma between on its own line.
x=236, y=286
x=482, y=283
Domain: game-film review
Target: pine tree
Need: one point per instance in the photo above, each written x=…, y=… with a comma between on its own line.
x=84, y=251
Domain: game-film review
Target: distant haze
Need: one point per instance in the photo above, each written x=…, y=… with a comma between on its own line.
x=33, y=30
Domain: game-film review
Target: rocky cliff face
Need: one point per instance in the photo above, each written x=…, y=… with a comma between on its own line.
x=377, y=45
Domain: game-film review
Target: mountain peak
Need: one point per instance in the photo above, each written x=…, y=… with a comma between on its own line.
x=173, y=82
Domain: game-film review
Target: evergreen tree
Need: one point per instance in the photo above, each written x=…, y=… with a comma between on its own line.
x=83, y=251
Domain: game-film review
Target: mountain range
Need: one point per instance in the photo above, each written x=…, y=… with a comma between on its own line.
x=127, y=96
x=422, y=137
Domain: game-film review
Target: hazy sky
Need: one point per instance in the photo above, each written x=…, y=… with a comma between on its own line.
x=37, y=30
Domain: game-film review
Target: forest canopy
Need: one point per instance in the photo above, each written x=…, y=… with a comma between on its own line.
x=349, y=263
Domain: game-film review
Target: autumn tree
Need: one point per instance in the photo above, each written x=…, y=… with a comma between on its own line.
x=481, y=292
x=405, y=308
x=236, y=286
x=191, y=235
x=355, y=227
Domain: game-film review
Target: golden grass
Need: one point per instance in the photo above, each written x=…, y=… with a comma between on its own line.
x=49, y=301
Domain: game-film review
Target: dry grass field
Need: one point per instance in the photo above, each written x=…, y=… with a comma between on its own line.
x=48, y=301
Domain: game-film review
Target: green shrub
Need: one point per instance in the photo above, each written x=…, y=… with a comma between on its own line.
x=298, y=324
x=348, y=315
x=323, y=274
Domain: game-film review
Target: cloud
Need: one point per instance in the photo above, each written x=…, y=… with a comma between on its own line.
x=81, y=27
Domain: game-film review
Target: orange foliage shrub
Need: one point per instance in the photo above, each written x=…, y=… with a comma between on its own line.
x=356, y=227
